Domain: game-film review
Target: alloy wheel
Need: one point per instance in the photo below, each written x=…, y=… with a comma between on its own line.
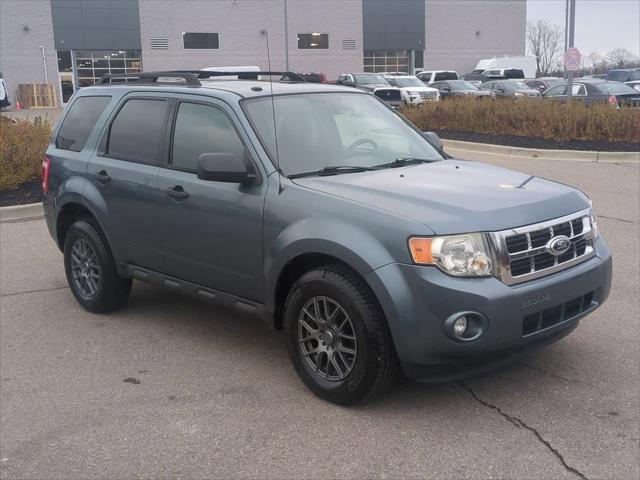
x=85, y=268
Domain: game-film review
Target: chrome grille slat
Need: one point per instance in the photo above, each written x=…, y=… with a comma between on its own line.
x=512, y=260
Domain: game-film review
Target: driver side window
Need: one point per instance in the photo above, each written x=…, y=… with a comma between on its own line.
x=555, y=91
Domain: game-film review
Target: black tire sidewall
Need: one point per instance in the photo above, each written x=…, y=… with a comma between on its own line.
x=112, y=290
x=360, y=379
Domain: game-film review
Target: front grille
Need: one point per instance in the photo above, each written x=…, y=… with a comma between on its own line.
x=387, y=94
x=524, y=253
x=544, y=319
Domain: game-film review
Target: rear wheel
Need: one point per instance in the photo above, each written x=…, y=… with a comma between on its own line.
x=91, y=270
x=337, y=337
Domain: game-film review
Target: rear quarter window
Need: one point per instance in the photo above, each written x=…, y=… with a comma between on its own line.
x=79, y=122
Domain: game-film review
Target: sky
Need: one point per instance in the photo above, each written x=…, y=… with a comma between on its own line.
x=601, y=25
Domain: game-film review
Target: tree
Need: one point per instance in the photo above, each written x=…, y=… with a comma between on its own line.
x=545, y=42
x=621, y=58
x=595, y=63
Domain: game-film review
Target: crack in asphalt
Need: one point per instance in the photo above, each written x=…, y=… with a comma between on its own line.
x=552, y=375
x=519, y=423
x=624, y=220
x=33, y=291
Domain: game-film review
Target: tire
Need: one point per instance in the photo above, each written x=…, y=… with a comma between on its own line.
x=362, y=375
x=104, y=293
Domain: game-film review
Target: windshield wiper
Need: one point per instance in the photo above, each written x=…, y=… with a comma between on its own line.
x=403, y=162
x=333, y=170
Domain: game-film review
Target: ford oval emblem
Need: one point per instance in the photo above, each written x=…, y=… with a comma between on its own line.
x=558, y=245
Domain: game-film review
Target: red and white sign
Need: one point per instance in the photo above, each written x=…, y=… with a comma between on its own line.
x=572, y=59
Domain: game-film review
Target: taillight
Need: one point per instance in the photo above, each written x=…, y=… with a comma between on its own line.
x=613, y=100
x=46, y=170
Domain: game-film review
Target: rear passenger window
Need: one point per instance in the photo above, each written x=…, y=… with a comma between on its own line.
x=136, y=132
x=202, y=129
x=79, y=122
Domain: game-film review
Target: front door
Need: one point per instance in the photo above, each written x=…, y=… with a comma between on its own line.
x=212, y=231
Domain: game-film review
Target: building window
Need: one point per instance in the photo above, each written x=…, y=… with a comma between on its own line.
x=91, y=65
x=313, y=40
x=200, y=41
x=386, y=61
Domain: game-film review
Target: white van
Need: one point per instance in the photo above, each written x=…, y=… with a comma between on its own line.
x=527, y=64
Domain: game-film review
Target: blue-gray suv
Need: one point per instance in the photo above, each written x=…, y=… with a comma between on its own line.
x=326, y=214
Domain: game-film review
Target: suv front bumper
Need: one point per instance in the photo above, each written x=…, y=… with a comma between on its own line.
x=417, y=300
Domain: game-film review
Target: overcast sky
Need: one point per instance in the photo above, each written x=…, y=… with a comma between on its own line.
x=601, y=25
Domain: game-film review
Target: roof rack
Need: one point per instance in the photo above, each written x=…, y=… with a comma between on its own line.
x=148, y=77
x=243, y=75
x=190, y=77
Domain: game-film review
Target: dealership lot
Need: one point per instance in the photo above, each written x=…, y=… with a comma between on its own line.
x=173, y=387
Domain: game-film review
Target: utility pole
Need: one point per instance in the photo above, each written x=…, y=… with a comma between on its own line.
x=572, y=24
x=286, y=38
x=566, y=29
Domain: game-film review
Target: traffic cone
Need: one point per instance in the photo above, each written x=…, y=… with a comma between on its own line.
x=18, y=106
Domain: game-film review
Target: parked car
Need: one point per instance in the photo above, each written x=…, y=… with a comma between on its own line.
x=4, y=94
x=414, y=91
x=596, y=91
x=599, y=76
x=374, y=83
x=623, y=75
x=527, y=64
x=542, y=83
x=635, y=84
x=430, y=76
x=503, y=74
x=319, y=210
x=510, y=88
x=460, y=88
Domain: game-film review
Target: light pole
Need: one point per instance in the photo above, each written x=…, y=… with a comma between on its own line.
x=572, y=24
x=286, y=38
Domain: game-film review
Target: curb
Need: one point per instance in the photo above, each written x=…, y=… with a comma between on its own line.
x=542, y=154
x=21, y=213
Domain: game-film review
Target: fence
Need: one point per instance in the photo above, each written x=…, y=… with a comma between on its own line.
x=37, y=95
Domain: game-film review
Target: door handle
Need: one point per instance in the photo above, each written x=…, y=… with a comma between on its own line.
x=177, y=192
x=102, y=176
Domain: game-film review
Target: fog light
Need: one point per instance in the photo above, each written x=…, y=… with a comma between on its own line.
x=465, y=326
x=459, y=326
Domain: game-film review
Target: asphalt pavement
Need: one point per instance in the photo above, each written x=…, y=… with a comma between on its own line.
x=171, y=387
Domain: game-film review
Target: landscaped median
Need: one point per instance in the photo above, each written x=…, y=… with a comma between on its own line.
x=22, y=147
x=534, y=123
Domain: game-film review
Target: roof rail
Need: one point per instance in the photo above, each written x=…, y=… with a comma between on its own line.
x=201, y=74
x=149, y=78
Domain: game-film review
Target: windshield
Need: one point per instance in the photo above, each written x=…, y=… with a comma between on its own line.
x=462, y=85
x=318, y=130
x=369, y=78
x=408, y=82
x=615, y=88
x=515, y=86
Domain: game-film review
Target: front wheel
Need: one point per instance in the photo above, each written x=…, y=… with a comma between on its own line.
x=337, y=337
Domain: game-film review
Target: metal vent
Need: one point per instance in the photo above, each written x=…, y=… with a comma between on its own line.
x=348, y=44
x=159, y=43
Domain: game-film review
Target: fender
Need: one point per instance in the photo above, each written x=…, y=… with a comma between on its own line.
x=94, y=201
x=346, y=242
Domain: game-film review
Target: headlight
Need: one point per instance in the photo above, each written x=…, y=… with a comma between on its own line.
x=593, y=220
x=518, y=94
x=459, y=255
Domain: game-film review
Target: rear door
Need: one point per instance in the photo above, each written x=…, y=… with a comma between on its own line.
x=212, y=232
x=125, y=172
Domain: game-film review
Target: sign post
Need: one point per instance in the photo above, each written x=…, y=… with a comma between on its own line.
x=572, y=23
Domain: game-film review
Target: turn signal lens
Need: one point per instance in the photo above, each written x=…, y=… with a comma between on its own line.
x=421, y=250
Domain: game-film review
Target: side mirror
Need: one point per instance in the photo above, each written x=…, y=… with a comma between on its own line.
x=224, y=167
x=434, y=138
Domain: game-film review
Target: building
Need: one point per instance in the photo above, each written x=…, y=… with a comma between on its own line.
x=71, y=43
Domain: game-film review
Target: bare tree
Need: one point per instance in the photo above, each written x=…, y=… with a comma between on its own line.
x=621, y=58
x=595, y=63
x=545, y=42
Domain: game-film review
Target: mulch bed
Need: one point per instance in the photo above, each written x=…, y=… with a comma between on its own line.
x=528, y=142
x=30, y=192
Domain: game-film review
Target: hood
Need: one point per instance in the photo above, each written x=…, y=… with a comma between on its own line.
x=418, y=89
x=456, y=196
x=529, y=92
x=370, y=87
